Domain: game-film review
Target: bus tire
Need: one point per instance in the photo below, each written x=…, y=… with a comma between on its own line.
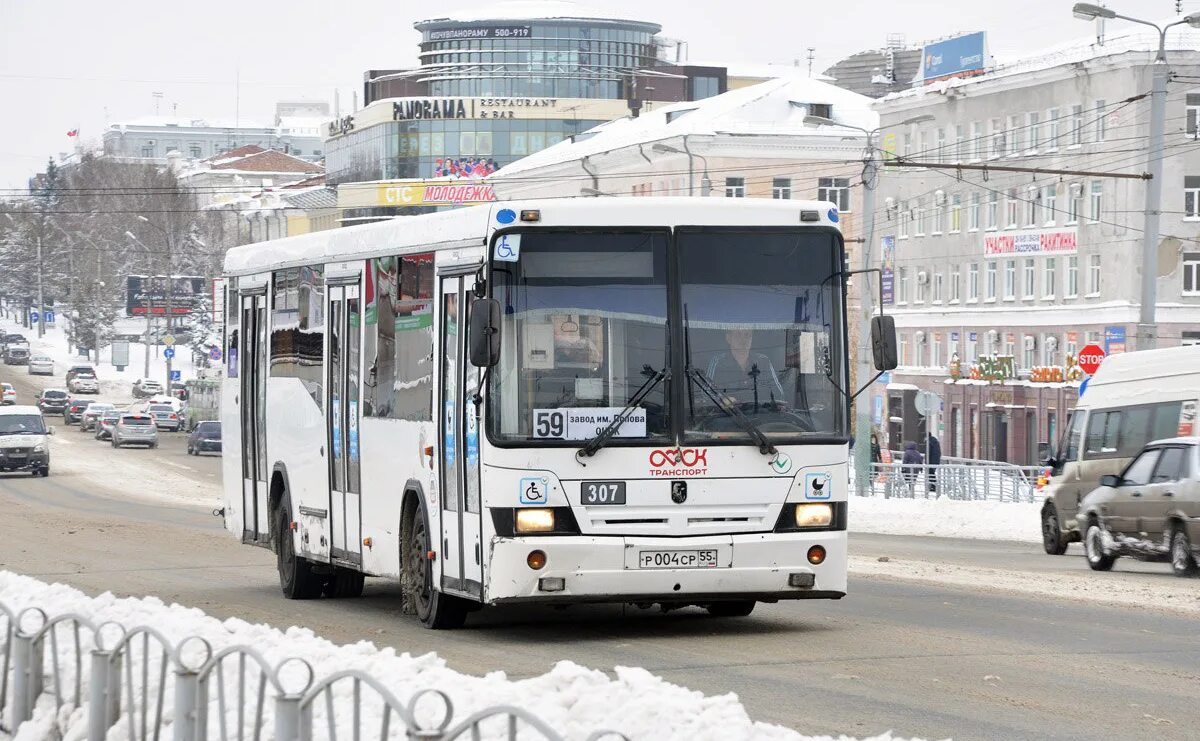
x=296, y=577
x=434, y=609
x=731, y=608
x=1053, y=540
x=345, y=584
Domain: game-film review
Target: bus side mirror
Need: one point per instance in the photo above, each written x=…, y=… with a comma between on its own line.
x=883, y=343
x=485, y=332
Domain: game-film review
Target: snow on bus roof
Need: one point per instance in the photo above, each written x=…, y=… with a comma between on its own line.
x=469, y=227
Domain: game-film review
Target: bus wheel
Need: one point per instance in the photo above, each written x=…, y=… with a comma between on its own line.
x=734, y=608
x=296, y=577
x=435, y=609
x=345, y=584
x=1053, y=540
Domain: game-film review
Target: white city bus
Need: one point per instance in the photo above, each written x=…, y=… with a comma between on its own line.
x=649, y=405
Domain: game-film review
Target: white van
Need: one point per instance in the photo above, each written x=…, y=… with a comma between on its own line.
x=1134, y=398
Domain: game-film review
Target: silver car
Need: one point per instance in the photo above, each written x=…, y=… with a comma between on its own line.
x=92, y=415
x=135, y=429
x=41, y=365
x=106, y=423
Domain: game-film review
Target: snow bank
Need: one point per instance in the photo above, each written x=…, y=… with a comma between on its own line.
x=574, y=700
x=946, y=518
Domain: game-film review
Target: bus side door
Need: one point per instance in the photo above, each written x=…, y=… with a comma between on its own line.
x=253, y=403
x=343, y=416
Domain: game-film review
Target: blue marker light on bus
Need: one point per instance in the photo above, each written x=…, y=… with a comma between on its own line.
x=833, y=215
x=506, y=216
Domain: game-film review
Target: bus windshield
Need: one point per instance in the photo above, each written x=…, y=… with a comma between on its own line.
x=585, y=325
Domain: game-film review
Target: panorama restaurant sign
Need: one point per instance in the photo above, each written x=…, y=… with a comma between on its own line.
x=1031, y=242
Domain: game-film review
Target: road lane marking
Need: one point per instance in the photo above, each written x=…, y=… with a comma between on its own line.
x=177, y=465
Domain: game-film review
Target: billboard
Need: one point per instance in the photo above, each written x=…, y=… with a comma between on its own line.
x=962, y=56
x=887, y=276
x=150, y=295
x=1031, y=242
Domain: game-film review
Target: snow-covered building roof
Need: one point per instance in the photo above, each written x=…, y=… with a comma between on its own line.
x=194, y=123
x=263, y=161
x=774, y=108
x=528, y=10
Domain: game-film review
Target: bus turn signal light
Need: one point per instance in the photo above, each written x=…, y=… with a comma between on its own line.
x=536, y=560
x=816, y=554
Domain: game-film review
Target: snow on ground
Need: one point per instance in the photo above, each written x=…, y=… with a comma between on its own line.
x=946, y=518
x=572, y=699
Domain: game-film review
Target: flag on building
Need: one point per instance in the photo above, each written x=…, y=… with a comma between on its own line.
x=73, y=132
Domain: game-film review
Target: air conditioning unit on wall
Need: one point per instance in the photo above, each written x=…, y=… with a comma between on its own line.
x=922, y=277
x=1030, y=342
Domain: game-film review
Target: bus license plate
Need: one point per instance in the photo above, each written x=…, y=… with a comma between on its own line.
x=602, y=492
x=704, y=559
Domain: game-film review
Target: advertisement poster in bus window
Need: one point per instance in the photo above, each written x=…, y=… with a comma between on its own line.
x=352, y=431
x=449, y=446
x=398, y=314
x=472, y=437
x=337, y=429
x=887, y=278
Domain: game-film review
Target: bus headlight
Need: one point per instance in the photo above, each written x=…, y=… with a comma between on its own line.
x=535, y=520
x=813, y=515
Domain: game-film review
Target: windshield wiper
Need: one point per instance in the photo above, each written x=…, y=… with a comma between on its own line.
x=653, y=379
x=764, y=445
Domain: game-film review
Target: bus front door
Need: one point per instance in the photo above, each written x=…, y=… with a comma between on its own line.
x=342, y=417
x=462, y=546
x=253, y=396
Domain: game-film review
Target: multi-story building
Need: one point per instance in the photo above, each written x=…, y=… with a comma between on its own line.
x=1000, y=278
x=298, y=130
x=494, y=87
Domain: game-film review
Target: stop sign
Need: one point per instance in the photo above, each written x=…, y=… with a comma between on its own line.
x=1089, y=358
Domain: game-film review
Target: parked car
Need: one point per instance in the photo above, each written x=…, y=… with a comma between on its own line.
x=106, y=422
x=24, y=442
x=94, y=412
x=145, y=387
x=1149, y=510
x=10, y=393
x=41, y=365
x=84, y=382
x=206, y=437
x=165, y=417
x=135, y=429
x=16, y=355
x=53, y=401
x=74, y=411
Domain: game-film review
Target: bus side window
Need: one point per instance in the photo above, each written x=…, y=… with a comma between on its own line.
x=1112, y=432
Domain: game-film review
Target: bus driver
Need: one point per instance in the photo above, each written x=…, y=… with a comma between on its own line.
x=744, y=376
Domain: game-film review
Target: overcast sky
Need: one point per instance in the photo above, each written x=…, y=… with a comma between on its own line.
x=80, y=63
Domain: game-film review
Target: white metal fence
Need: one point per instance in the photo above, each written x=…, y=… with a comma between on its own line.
x=956, y=478
x=121, y=678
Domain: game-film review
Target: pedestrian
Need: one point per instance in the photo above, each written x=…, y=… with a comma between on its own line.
x=876, y=455
x=910, y=464
x=934, y=450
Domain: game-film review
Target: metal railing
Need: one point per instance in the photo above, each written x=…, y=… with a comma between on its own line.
x=958, y=479
x=121, y=679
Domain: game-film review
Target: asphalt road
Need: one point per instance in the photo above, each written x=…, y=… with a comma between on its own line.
x=920, y=659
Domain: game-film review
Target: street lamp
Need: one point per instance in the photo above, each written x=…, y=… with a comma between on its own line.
x=1147, y=332
x=149, y=302
x=705, y=183
x=862, y=422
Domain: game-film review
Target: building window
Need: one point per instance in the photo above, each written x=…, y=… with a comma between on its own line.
x=955, y=284
x=1076, y=125
x=735, y=187
x=939, y=213
x=1050, y=277
x=972, y=347
x=1191, y=197
x=922, y=282
x=1050, y=203
x=973, y=213
x=1094, y=275
x=902, y=287
x=997, y=139
x=992, y=269
x=978, y=141
x=194, y=151
x=707, y=87
x=1016, y=135
x=781, y=189
x=973, y=282
x=924, y=152
x=907, y=143
x=955, y=213
x=1032, y=206
x=905, y=216
x=960, y=141
x=1191, y=273
x=993, y=209
x=1010, y=280
x=1096, y=201
x=1034, y=124
x=1074, y=202
x=1193, y=115
x=938, y=281
x=148, y=150
x=919, y=219
x=835, y=190
x=1027, y=360
x=935, y=351
x=1101, y=128
x=1011, y=209
x=941, y=145
x=1052, y=128
x=1072, y=276
x=903, y=354
x=1030, y=277
x=1191, y=338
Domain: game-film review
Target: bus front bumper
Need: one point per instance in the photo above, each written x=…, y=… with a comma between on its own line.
x=583, y=568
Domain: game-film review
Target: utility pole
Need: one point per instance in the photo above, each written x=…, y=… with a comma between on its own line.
x=41, y=297
x=1147, y=332
x=862, y=411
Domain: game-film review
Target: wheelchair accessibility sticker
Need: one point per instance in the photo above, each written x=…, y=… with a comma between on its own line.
x=818, y=486
x=534, y=490
x=508, y=248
